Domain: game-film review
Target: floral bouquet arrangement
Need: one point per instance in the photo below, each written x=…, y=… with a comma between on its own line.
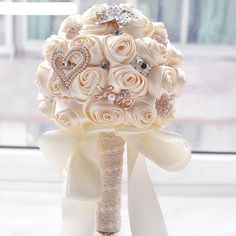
x=109, y=78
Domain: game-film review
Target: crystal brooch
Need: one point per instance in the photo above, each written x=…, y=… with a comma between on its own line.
x=141, y=66
x=68, y=65
x=115, y=13
x=164, y=107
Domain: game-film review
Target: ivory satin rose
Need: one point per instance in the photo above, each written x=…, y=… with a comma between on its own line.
x=68, y=113
x=46, y=105
x=104, y=113
x=143, y=114
x=56, y=87
x=153, y=52
x=70, y=27
x=140, y=27
x=165, y=79
x=53, y=44
x=160, y=32
x=119, y=49
x=126, y=77
x=41, y=78
x=93, y=44
x=174, y=56
x=88, y=82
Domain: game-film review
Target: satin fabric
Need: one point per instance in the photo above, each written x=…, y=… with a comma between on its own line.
x=74, y=157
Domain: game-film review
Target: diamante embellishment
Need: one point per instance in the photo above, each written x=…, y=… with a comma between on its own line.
x=122, y=99
x=141, y=66
x=68, y=66
x=164, y=106
x=73, y=31
x=105, y=64
x=115, y=13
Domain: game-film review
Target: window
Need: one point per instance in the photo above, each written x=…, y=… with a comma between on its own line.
x=210, y=22
x=204, y=30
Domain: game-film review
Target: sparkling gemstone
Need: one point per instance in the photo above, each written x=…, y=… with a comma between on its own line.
x=105, y=65
x=141, y=66
x=144, y=66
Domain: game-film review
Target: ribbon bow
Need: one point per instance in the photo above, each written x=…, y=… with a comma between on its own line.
x=74, y=157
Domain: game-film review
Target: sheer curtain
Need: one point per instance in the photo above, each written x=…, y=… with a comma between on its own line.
x=211, y=22
x=39, y=27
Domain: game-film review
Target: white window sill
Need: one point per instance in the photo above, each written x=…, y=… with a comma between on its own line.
x=205, y=174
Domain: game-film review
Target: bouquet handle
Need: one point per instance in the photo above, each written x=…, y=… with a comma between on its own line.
x=108, y=208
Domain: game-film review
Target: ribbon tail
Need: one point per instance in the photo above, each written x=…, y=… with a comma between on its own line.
x=77, y=218
x=74, y=157
x=144, y=209
x=83, y=172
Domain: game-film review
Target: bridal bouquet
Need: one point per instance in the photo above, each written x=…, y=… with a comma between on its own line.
x=111, y=67
x=110, y=71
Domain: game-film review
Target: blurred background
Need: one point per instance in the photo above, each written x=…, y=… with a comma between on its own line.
x=205, y=31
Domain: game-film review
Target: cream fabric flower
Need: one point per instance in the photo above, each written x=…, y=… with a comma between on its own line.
x=151, y=51
x=68, y=113
x=56, y=87
x=46, y=105
x=89, y=19
x=160, y=32
x=41, y=78
x=137, y=28
x=93, y=44
x=86, y=83
x=174, y=56
x=119, y=49
x=165, y=79
x=52, y=44
x=70, y=27
x=142, y=114
x=126, y=77
x=104, y=113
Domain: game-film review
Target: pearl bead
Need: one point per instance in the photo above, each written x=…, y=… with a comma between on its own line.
x=111, y=97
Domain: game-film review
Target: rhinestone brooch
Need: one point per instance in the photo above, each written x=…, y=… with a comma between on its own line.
x=115, y=13
x=122, y=99
x=159, y=38
x=67, y=66
x=164, y=106
x=141, y=66
x=73, y=31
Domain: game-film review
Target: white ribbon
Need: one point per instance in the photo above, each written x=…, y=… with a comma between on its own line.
x=74, y=157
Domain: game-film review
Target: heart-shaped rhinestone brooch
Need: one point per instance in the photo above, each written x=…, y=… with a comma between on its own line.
x=68, y=65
